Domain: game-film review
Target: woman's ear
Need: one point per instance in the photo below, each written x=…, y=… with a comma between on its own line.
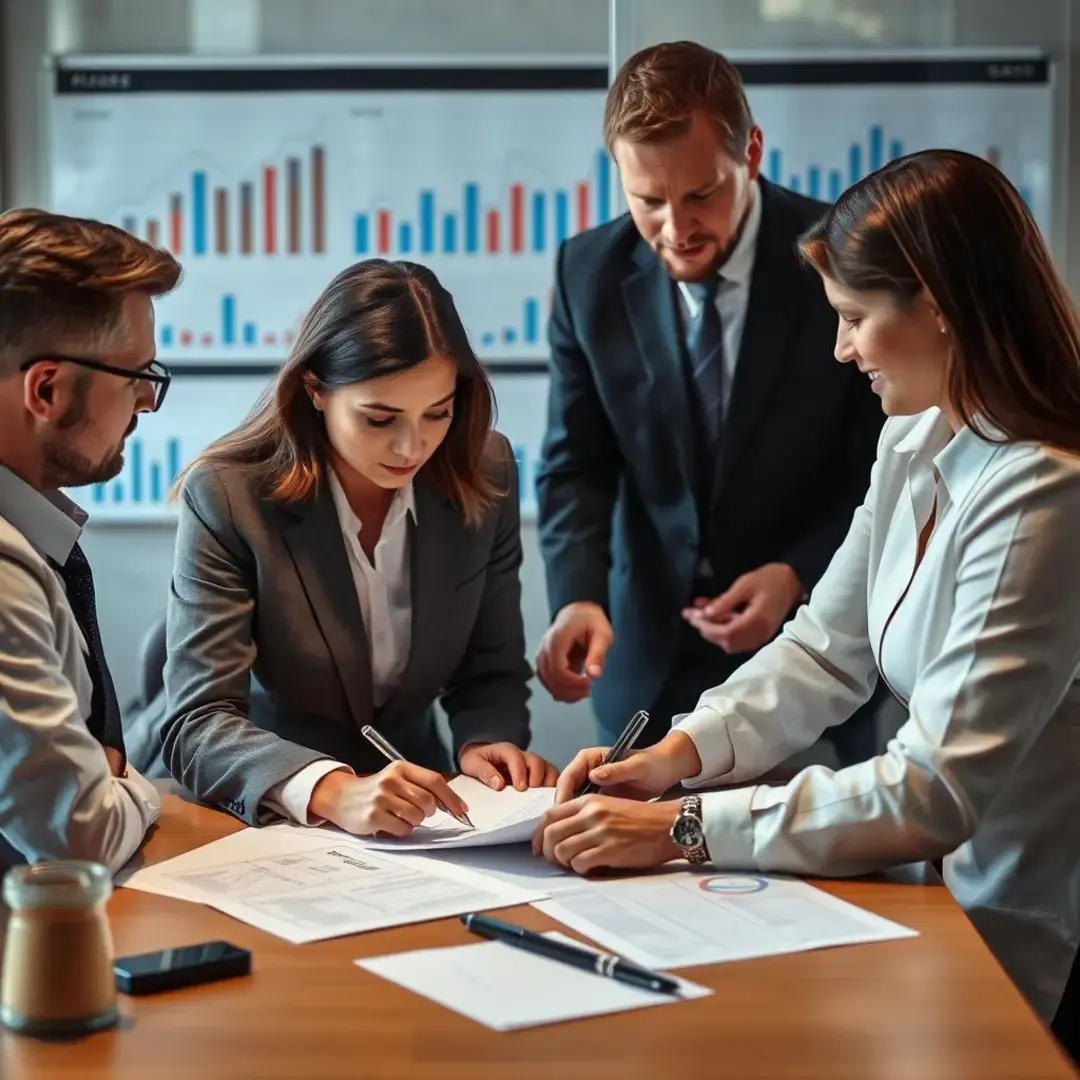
x=315, y=396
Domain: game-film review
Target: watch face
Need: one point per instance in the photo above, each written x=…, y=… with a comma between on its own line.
x=688, y=833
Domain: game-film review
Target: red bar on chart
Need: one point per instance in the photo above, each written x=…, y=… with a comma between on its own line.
x=176, y=225
x=221, y=221
x=247, y=198
x=517, y=215
x=582, y=207
x=383, y=218
x=993, y=155
x=493, y=232
x=269, y=209
x=153, y=233
x=318, y=200
x=292, y=180
x=185, y=337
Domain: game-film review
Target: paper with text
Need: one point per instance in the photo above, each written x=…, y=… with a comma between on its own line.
x=306, y=885
x=682, y=920
x=506, y=988
x=501, y=817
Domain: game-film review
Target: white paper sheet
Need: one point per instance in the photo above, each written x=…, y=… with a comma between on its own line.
x=506, y=988
x=683, y=920
x=307, y=885
x=501, y=817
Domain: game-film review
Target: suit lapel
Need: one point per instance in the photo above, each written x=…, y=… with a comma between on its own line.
x=318, y=549
x=438, y=548
x=653, y=316
x=777, y=286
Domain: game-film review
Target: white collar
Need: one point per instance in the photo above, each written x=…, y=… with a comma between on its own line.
x=48, y=519
x=403, y=502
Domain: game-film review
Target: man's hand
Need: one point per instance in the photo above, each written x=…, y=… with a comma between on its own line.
x=598, y=832
x=572, y=651
x=641, y=775
x=750, y=612
x=502, y=763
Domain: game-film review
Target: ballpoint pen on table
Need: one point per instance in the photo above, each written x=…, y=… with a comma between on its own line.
x=389, y=752
x=624, y=742
x=606, y=964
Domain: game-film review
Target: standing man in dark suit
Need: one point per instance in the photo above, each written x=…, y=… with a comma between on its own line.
x=704, y=454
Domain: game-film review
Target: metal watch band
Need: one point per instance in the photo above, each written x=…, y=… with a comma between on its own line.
x=691, y=807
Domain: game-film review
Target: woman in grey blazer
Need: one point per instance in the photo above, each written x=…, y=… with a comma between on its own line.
x=353, y=547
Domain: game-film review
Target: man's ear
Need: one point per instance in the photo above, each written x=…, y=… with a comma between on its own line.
x=41, y=391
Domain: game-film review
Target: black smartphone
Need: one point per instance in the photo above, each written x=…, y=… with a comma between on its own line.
x=169, y=969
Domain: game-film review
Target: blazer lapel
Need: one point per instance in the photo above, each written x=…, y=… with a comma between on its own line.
x=438, y=548
x=318, y=549
x=772, y=314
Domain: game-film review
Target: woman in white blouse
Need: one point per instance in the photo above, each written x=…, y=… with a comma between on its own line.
x=958, y=584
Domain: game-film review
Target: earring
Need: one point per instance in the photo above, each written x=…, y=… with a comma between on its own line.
x=943, y=330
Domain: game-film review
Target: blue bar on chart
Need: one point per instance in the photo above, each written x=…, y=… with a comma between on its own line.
x=449, y=234
x=155, y=482
x=250, y=337
x=774, y=166
x=538, y=215
x=198, y=213
x=228, y=320
x=855, y=170
x=404, y=237
x=472, y=218
x=509, y=335
x=877, y=147
x=603, y=187
x=128, y=223
x=172, y=451
x=134, y=450
x=836, y=184
x=361, y=234
x=532, y=320
x=896, y=149
x=813, y=182
x=427, y=222
x=166, y=336
x=118, y=491
x=795, y=183
x=562, y=216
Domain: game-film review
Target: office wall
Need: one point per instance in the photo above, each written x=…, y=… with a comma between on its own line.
x=132, y=565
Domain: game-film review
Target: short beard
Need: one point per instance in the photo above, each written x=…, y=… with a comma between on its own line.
x=67, y=466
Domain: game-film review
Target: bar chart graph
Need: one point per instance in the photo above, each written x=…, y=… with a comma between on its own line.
x=519, y=221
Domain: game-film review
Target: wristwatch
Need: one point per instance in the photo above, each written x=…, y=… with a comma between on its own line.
x=688, y=832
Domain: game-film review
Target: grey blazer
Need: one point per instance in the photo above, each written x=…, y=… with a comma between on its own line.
x=265, y=589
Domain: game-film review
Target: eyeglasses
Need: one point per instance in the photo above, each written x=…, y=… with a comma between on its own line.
x=157, y=373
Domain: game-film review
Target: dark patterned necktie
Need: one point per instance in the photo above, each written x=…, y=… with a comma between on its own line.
x=705, y=353
x=104, y=721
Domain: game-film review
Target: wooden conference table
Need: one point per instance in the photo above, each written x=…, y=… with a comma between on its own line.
x=936, y=1006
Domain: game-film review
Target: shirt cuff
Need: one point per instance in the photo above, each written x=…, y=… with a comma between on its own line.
x=729, y=828
x=292, y=797
x=712, y=742
x=145, y=794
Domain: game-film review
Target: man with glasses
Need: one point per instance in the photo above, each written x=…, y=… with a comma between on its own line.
x=77, y=367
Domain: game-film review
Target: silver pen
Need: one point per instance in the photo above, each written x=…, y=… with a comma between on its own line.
x=622, y=745
x=390, y=753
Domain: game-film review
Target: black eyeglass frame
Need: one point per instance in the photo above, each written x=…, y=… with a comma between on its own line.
x=157, y=373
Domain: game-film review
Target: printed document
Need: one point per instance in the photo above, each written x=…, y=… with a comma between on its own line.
x=506, y=988
x=501, y=817
x=306, y=884
x=682, y=920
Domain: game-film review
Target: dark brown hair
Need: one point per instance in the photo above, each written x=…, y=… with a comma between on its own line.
x=952, y=224
x=375, y=318
x=63, y=279
x=657, y=91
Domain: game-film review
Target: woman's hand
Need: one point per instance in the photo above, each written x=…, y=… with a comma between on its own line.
x=393, y=801
x=501, y=763
x=642, y=775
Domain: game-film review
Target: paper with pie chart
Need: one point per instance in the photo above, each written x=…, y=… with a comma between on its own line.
x=683, y=920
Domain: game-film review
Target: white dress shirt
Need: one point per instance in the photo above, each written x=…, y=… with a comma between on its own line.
x=982, y=644
x=733, y=295
x=384, y=589
x=58, y=797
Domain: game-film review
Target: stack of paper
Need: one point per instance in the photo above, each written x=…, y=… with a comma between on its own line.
x=307, y=884
x=500, y=817
x=506, y=988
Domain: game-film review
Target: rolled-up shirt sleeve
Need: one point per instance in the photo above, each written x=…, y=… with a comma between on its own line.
x=58, y=797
